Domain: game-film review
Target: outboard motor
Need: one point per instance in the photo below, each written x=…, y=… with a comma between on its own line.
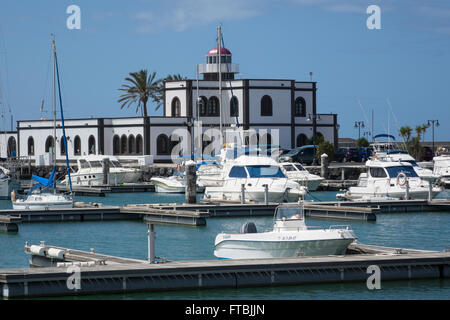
x=248, y=227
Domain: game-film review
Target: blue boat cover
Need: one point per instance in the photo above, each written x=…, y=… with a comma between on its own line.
x=50, y=182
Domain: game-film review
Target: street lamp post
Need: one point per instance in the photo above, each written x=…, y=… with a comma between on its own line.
x=359, y=125
x=433, y=122
x=314, y=118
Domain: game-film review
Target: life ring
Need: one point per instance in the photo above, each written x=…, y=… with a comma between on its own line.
x=401, y=179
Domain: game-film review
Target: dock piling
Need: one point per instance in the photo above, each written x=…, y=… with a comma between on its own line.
x=105, y=166
x=151, y=242
x=324, y=165
x=266, y=194
x=243, y=193
x=191, y=183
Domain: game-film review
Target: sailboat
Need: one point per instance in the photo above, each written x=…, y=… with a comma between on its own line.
x=43, y=194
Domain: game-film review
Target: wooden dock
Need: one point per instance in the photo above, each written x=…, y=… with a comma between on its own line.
x=104, y=274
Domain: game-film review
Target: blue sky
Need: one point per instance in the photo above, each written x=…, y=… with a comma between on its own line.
x=358, y=70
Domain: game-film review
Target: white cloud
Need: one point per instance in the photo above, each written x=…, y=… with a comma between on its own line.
x=182, y=14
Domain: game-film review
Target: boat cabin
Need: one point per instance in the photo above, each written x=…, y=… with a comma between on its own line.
x=289, y=217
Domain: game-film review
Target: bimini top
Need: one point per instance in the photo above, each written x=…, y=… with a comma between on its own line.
x=214, y=51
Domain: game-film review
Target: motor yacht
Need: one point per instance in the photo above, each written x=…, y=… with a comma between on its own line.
x=389, y=179
x=296, y=172
x=257, y=175
x=387, y=152
x=90, y=172
x=290, y=237
x=441, y=168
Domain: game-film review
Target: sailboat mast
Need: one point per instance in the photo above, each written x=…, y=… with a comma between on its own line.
x=54, y=104
x=219, y=54
x=54, y=111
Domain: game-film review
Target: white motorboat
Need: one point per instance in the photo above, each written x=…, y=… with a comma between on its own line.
x=90, y=172
x=441, y=168
x=7, y=184
x=297, y=173
x=389, y=179
x=257, y=175
x=172, y=184
x=387, y=152
x=290, y=237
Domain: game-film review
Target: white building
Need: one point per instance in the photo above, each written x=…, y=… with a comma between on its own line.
x=265, y=105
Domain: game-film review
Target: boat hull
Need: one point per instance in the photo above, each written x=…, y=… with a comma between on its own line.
x=42, y=205
x=254, y=249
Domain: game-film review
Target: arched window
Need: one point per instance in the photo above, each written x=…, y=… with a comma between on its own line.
x=139, y=144
x=162, y=145
x=30, y=146
x=49, y=144
x=12, y=147
x=234, y=107
x=176, y=107
x=91, y=144
x=213, y=106
x=131, y=145
x=116, y=145
x=62, y=150
x=77, y=146
x=123, y=144
x=266, y=106
x=301, y=140
x=300, y=107
x=202, y=102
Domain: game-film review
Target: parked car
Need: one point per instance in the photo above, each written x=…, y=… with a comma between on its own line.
x=428, y=154
x=365, y=153
x=351, y=154
x=339, y=155
x=305, y=155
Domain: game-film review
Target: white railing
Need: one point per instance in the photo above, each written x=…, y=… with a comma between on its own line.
x=214, y=68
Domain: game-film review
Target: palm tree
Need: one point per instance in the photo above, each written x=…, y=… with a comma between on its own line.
x=141, y=87
x=405, y=133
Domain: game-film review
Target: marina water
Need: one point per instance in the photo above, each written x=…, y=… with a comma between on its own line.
x=422, y=230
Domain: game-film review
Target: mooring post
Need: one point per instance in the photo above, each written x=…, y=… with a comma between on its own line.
x=105, y=166
x=243, y=193
x=324, y=166
x=151, y=242
x=407, y=190
x=191, y=182
x=266, y=194
x=430, y=191
x=343, y=174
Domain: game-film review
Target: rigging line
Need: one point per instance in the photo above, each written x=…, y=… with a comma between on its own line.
x=231, y=88
x=6, y=101
x=395, y=119
x=62, y=124
x=364, y=111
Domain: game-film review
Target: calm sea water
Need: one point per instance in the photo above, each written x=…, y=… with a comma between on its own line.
x=424, y=230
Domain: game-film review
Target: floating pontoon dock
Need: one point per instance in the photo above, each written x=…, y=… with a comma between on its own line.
x=107, y=274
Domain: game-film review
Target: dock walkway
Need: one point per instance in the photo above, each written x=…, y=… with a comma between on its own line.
x=394, y=264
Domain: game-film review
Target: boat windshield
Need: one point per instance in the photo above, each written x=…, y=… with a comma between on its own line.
x=84, y=164
x=265, y=171
x=293, y=151
x=289, y=213
x=96, y=164
x=299, y=167
x=395, y=171
x=115, y=163
x=289, y=167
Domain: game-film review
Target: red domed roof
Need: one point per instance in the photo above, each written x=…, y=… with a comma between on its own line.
x=213, y=51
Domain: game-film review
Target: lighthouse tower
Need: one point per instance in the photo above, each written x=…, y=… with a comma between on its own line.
x=218, y=59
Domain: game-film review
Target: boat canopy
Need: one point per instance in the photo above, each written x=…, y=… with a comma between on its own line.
x=50, y=182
